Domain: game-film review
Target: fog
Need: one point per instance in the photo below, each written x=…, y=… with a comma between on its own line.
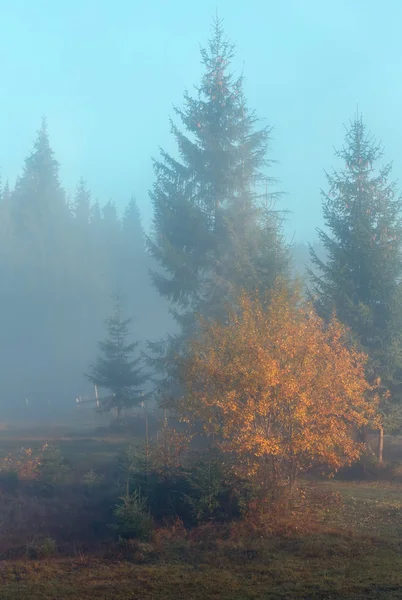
x=105, y=77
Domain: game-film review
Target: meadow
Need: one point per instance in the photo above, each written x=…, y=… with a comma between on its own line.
x=346, y=544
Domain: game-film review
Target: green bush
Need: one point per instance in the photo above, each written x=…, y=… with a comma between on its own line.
x=205, y=490
x=92, y=479
x=52, y=468
x=133, y=517
x=215, y=492
x=41, y=549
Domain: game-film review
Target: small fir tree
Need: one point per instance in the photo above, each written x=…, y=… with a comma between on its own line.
x=116, y=370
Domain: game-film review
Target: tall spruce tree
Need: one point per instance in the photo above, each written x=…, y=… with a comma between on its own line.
x=361, y=277
x=41, y=220
x=41, y=224
x=214, y=228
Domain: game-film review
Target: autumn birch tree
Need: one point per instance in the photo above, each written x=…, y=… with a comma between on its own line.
x=278, y=388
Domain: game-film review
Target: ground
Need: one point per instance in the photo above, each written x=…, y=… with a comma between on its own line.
x=354, y=551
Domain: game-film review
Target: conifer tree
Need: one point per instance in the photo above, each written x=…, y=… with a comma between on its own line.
x=38, y=196
x=43, y=275
x=361, y=277
x=7, y=249
x=214, y=228
x=132, y=268
x=132, y=226
x=96, y=215
x=116, y=370
x=82, y=204
x=41, y=219
x=206, y=202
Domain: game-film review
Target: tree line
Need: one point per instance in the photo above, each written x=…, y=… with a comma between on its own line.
x=62, y=258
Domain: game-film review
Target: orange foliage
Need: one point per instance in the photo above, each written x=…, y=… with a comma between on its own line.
x=278, y=388
x=25, y=463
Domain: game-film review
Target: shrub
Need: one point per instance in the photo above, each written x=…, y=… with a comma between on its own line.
x=52, y=468
x=215, y=492
x=42, y=548
x=24, y=463
x=92, y=479
x=206, y=489
x=133, y=517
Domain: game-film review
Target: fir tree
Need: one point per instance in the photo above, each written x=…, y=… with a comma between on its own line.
x=116, y=370
x=131, y=263
x=95, y=218
x=206, y=203
x=214, y=228
x=132, y=226
x=43, y=269
x=82, y=204
x=361, y=276
x=41, y=221
x=38, y=197
x=7, y=249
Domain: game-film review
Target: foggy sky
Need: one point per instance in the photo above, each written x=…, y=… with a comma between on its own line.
x=107, y=73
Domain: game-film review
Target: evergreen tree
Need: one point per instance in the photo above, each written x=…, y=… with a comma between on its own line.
x=95, y=218
x=361, y=276
x=116, y=370
x=214, y=228
x=131, y=264
x=132, y=226
x=206, y=204
x=82, y=204
x=41, y=219
x=38, y=197
x=7, y=249
x=6, y=192
x=44, y=265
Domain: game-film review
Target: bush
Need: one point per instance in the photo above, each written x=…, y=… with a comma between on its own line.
x=215, y=492
x=92, y=479
x=52, y=468
x=205, y=490
x=41, y=549
x=133, y=517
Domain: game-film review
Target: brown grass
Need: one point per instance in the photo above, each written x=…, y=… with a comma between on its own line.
x=342, y=543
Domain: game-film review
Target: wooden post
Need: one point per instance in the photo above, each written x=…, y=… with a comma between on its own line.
x=380, y=449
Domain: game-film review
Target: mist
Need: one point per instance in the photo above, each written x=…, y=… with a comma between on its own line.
x=201, y=299
x=107, y=93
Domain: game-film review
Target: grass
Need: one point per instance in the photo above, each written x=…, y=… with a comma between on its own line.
x=321, y=567
x=353, y=550
x=83, y=449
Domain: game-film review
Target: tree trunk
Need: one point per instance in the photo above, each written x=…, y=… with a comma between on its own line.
x=380, y=448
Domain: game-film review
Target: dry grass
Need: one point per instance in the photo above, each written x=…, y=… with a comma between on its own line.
x=318, y=567
x=345, y=550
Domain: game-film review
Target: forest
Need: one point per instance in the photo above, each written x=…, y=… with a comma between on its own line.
x=248, y=410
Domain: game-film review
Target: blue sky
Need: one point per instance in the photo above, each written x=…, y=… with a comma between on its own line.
x=107, y=73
